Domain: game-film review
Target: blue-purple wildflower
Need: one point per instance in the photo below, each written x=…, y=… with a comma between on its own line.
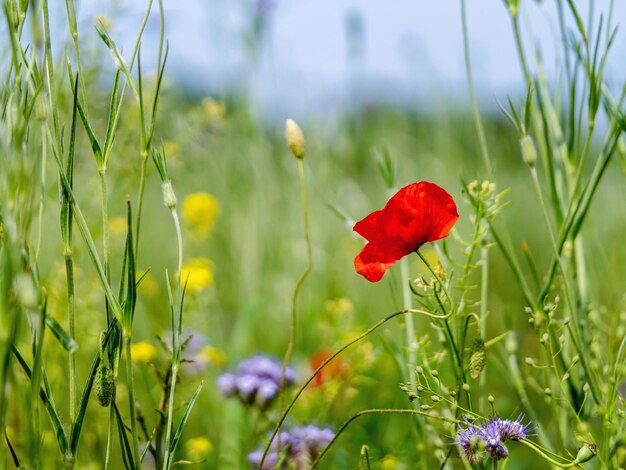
x=494, y=442
x=256, y=381
x=514, y=429
x=470, y=442
x=300, y=448
x=478, y=441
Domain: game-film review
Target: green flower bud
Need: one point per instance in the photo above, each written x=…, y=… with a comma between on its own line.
x=294, y=138
x=478, y=358
x=104, y=384
x=529, y=153
x=586, y=453
x=169, y=197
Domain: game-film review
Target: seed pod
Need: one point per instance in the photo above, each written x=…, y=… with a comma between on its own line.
x=169, y=197
x=478, y=358
x=586, y=453
x=529, y=152
x=104, y=384
x=294, y=138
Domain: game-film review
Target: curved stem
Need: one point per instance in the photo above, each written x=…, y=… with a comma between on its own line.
x=374, y=327
x=296, y=291
x=439, y=280
x=536, y=448
x=369, y=412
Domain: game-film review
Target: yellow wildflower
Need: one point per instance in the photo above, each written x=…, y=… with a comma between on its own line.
x=118, y=226
x=198, y=448
x=389, y=463
x=339, y=307
x=199, y=212
x=198, y=274
x=214, y=109
x=211, y=355
x=142, y=351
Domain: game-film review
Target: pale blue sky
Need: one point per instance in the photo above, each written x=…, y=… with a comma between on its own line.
x=412, y=49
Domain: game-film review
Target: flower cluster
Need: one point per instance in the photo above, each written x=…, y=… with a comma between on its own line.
x=475, y=442
x=257, y=381
x=300, y=447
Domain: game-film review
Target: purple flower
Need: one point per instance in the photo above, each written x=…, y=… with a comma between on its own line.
x=312, y=437
x=257, y=381
x=469, y=441
x=227, y=384
x=300, y=445
x=514, y=429
x=263, y=366
x=266, y=393
x=271, y=459
x=246, y=387
x=476, y=442
x=494, y=443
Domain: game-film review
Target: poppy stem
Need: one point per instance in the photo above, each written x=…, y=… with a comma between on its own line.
x=440, y=281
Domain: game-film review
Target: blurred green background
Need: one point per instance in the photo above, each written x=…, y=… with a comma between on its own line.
x=247, y=241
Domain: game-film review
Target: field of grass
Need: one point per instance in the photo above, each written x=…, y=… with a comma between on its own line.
x=101, y=166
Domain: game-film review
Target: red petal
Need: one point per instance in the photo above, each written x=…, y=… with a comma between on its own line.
x=368, y=227
x=418, y=213
x=422, y=212
x=371, y=263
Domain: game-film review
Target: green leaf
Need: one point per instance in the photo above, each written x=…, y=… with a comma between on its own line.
x=48, y=404
x=131, y=285
x=127, y=453
x=84, y=399
x=112, y=121
x=59, y=333
x=181, y=425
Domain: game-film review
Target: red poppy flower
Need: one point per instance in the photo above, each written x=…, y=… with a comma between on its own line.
x=418, y=213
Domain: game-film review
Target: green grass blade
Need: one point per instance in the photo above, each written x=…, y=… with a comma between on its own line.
x=59, y=333
x=127, y=453
x=84, y=399
x=47, y=402
x=181, y=425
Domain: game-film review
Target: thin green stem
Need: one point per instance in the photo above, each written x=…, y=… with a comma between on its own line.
x=411, y=341
x=439, y=281
x=69, y=273
x=371, y=329
x=299, y=283
x=484, y=150
x=91, y=248
x=44, y=157
x=520, y=49
x=545, y=456
x=370, y=412
x=142, y=184
x=176, y=332
x=131, y=396
x=105, y=234
x=484, y=292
